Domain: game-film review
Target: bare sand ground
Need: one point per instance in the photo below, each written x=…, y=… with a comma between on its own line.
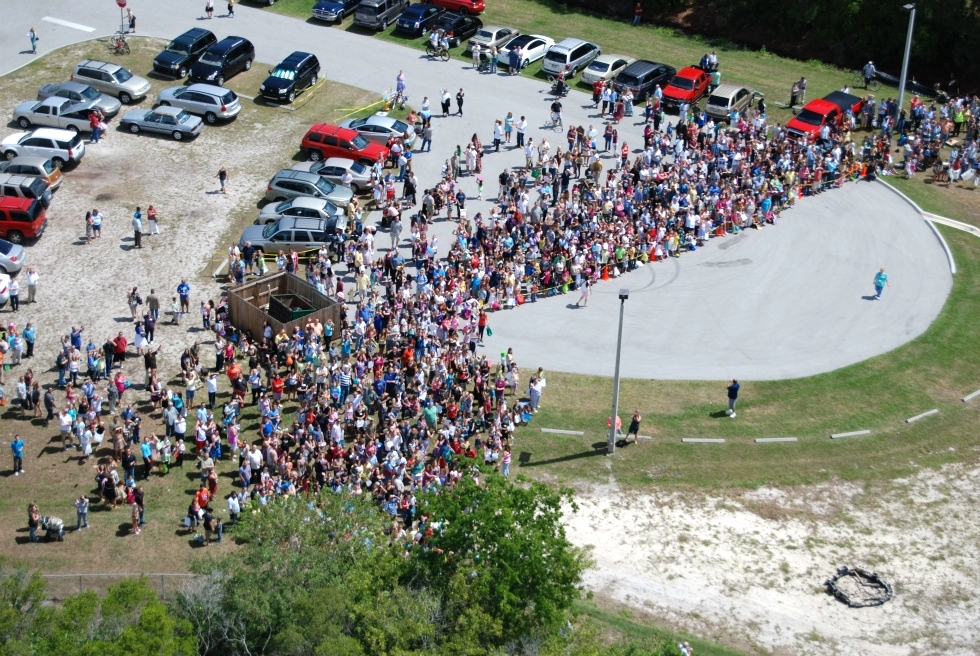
x=748, y=567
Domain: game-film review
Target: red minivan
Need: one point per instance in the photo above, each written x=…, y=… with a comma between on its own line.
x=324, y=141
x=21, y=218
x=462, y=6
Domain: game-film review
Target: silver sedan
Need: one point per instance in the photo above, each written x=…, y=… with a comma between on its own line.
x=211, y=102
x=341, y=170
x=165, y=120
x=380, y=128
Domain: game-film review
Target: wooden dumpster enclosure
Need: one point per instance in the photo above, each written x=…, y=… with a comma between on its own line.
x=283, y=299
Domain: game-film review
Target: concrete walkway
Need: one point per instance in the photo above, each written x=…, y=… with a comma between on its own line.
x=788, y=301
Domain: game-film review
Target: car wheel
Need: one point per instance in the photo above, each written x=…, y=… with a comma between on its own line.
x=355, y=188
x=73, y=128
x=270, y=2
x=313, y=80
x=181, y=73
x=211, y=118
x=291, y=97
x=177, y=135
x=279, y=199
x=316, y=155
x=3, y=270
x=384, y=25
x=135, y=129
x=248, y=64
x=57, y=161
x=164, y=103
x=125, y=98
x=15, y=237
x=10, y=154
x=525, y=64
x=220, y=81
x=23, y=122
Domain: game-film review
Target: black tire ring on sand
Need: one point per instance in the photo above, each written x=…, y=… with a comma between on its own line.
x=882, y=589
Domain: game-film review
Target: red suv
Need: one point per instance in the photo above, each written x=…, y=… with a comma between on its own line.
x=462, y=6
x=21, y=218
x=324, y=141
x=688, y=86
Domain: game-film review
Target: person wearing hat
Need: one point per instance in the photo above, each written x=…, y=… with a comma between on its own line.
x=869, y=73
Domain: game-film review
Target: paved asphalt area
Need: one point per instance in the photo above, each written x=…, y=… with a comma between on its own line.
x=787, y=301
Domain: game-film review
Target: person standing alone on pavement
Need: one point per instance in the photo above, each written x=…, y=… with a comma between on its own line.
x=138, y=227
x=209, y=9
x=732, y=398
x=32, y=279
x=459, y=102
x=231, y=8
x=222, y=178
x=881, y=281
x=184, y=292
x=32, y=35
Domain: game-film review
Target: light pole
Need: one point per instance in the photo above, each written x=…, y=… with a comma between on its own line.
x=905, y=61
x=611, y=447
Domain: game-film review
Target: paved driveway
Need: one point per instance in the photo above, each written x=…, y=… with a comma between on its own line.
x=780, y=303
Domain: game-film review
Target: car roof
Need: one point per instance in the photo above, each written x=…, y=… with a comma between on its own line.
x=339, y=161
x=71, y=85
x=100, y=65
x=54, y=133
x=297, y=175
x=294, y=59
x=609, y=59
x=301, y=221
x=16, y=202
x=18, y=178
x=843, y=100
x=164, y=109
x=193, y=34
x=226, y=44
x=54, y=100
x=327, y=128
x=570, y=43
x=494, y=28
x=728, y=89
x=419, y=8
x=207, y=88
x=641, y=66
x=29, y=160
x=310, y=201
x=450, y=17
x=690, y=72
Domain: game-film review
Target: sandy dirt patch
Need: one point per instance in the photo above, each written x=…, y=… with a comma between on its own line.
x=748, y=568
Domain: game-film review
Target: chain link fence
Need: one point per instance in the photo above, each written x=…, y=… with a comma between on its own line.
x=60, y=586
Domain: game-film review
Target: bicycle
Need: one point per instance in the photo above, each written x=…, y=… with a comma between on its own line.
x=873, y=85
x=118, y=45
x=440, y=53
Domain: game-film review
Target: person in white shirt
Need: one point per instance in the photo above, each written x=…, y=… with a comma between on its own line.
x=32, y=279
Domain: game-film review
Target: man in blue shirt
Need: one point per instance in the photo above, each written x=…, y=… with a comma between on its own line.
x=17, y=447
x=732, y=398
x=881, y=280
x=184, y=292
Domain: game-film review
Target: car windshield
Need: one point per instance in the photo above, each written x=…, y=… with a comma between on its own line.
x=370, y=10
x=682, y=83
x=718, y=101
x=400, y=127
x=90, y=93
x=285, y=205
x=5, y=247
x=271, y=229
x=324, y=186
x=179, y=48
x=628, y=80
x=122, y=75
x=483, y=35
x=599, y=67
x=357, y=123
x=48, y=167
x=211, y=59
x=555, y=56
x=520, y=41
x=809, y=117
x=357, y=167
x=283, y=73
x=183, y=117
x=360, y=143
x=229, y=98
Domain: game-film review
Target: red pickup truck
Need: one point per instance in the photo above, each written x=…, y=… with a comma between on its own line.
x=828, y=110
x=688, y=86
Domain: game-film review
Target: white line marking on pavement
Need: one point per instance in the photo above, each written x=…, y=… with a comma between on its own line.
x=64, y=23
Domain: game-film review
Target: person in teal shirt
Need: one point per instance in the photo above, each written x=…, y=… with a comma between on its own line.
x=881, y=281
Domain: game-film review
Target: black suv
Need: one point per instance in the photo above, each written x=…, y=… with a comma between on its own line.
x=293, y=74
x=457, y=27
x=642, y=76
x=223, y=60
x=183, y=52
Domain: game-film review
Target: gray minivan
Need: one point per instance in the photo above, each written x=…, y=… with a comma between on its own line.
x=571, y=56
x=25, y=186
x=379, y=14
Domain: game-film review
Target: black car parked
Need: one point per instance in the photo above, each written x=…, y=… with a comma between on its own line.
x=223, y=60
x=183, y=52
x=457, y=27
x=293, y=74
x=417, y=18
x=642, y=76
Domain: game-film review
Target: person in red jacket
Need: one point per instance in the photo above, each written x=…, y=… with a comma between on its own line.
x=597, y=92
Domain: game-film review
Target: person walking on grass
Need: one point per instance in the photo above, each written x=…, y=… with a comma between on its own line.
x=634, y=428
x=881, y=281
x=81, y=512
x=17, y=448
x=732, y=398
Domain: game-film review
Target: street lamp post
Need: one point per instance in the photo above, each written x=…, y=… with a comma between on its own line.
x=611, y=447
x=905, y=61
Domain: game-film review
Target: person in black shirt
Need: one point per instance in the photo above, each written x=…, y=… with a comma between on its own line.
x=208, y=526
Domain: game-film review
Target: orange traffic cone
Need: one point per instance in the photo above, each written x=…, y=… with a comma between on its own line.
x=605, y=272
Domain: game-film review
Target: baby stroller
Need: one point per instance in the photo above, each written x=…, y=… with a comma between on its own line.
x=484, y=65
x=54, y=527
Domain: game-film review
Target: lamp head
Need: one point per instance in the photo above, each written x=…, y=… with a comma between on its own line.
x=624, y=294
x=909, y=7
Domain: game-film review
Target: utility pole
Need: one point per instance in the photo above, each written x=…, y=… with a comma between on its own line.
x=611, y=447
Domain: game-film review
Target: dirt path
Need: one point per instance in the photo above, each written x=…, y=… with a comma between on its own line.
x=750, y=567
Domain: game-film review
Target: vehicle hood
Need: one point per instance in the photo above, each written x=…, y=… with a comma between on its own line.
x=329, y=6
x=270, y=211
x=25, y=107
x=276, y=84
x=166, y=58
x=110, y=106
x=203, y=71
x=14, y=138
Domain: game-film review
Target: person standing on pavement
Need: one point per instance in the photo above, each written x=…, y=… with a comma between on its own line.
x=97, y=224
x=209, y=9
x=138, y=227
x=131, y=17
x=732, y=398
x=231, y=8
x=153, y=307
x=30, y=336
x=459, y=102
x=32, y=35
x=446, y=99
x=14, y=290
x=32, y=279
x=521, y=130
x=17, y=449
x=151, y=217
x=426, y=138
